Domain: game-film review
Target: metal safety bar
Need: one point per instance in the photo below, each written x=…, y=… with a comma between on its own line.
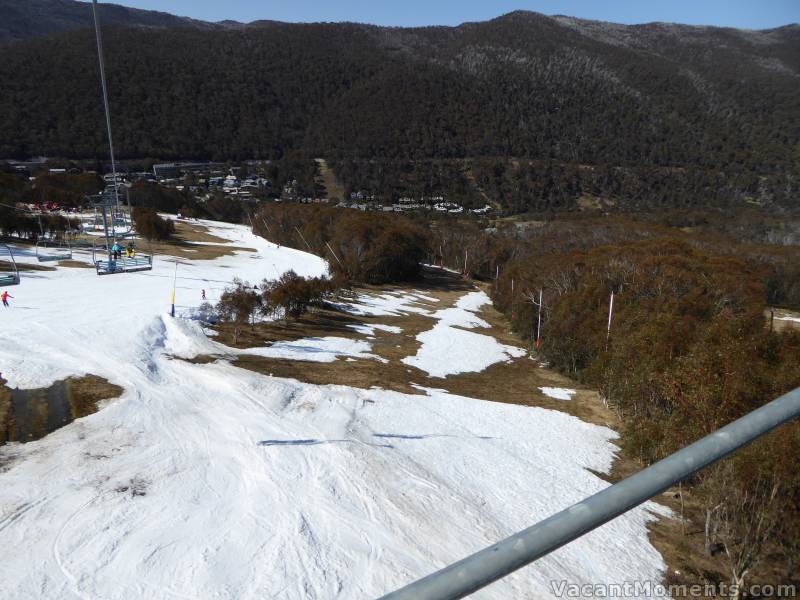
x=495, y=562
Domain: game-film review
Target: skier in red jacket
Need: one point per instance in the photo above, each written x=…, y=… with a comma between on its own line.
x=5, y=296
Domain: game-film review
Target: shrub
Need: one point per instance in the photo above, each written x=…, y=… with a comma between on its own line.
x=238, y=306
x=150, y=225
x=292, y=294
x=365, y=247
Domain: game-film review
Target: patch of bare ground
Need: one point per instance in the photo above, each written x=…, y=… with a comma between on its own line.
x=516, y=381
x=5, y=412
x=194, y=241
x=75, y=264
x=360, y=373
x=27, y=415
x=84, y=393
x=6, y=267
x=190, y=240
x=333, y=187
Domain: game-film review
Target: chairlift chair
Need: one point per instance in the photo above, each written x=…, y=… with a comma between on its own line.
x=110, y=212
x=47, y=250
x=118, y=215
x=8, y=277
x=105, y=264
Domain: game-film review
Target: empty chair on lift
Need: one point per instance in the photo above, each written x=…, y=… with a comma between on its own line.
x=10, y=274
x=47, y=250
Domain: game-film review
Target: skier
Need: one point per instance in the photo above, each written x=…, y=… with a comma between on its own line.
x=116, y=250
x=5, y=296
x=203, y=295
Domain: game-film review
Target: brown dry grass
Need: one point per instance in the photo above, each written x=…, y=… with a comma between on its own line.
x=193, y=241
x=190, y=240
x=85, y=392
x=5, y=266
x=333, y=186
x=361, y=373
x=516, y=381
x=75, y=264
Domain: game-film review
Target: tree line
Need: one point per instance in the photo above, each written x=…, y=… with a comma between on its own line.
x=359, y=246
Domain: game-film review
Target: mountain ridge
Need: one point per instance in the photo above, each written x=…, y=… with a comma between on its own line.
x=38, y=18
x=715, y=108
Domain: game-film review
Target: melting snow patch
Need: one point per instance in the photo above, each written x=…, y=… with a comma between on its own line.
x=383, y=305
x=422, y=296
x=367, y=330
x=316, y=349
x=388, y=328
x=473, y=301
x=795, y=319
x=447, y=349
x=558, y=393
x=370, y=329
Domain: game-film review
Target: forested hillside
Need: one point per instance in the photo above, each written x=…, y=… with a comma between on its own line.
x=34, y=18
x=689, y=113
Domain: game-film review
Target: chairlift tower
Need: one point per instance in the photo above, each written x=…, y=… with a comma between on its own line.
x=108, y=201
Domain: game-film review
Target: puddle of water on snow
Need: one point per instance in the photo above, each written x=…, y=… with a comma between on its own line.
x=28, y=415
x=35, y=413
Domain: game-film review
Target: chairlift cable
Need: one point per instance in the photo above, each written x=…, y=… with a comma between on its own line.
x=99, y=37
x=114, y=263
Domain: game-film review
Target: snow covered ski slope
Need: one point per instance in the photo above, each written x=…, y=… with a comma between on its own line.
x=70, y=321
x=208, y=481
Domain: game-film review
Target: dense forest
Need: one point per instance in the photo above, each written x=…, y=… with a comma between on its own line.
x=538, y=111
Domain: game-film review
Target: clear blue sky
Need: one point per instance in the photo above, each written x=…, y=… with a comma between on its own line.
x=751, y=14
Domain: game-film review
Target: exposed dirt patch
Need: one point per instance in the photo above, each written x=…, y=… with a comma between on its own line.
x=75, y=264
x=360, y=373
x=190, y=240
x=191, y=250
x=333, y=187
x=27, y=415
x=6, y=267
x=194, y=241
x=5, y=412
x=85, y=393
x=516, y=381
x=194, y=232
